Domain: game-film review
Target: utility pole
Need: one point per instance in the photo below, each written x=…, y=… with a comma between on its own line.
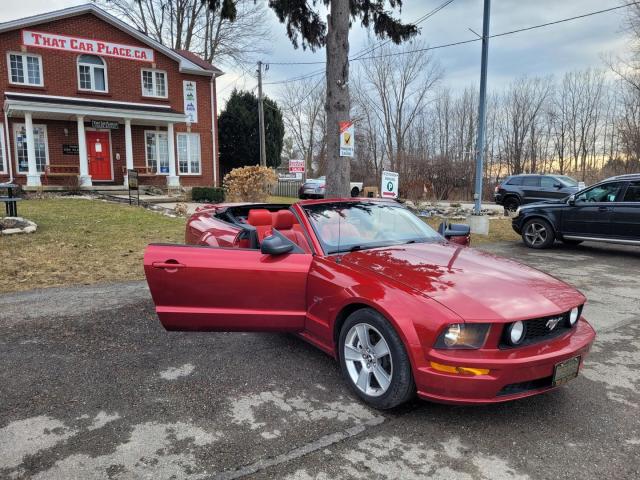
x=263, y=151
x=482, y=108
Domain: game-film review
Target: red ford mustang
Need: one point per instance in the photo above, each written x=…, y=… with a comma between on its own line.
x=401, y=308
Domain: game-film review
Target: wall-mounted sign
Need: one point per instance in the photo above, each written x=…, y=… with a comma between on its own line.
x=104, y=124
x=346, y=139
x=70, y=149
x=190, y=101
x=296, y=166
x=389, y=187
x=54, y=41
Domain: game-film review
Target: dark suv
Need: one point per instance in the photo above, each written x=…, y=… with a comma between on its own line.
x=518, y=190
x=608, y=211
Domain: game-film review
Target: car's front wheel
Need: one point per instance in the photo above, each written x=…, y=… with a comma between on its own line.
x=538, y=233
x=374, y=361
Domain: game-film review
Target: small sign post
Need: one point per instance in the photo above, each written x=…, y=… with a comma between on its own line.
x=389, y=185
x=347, y=139
x=132, y=183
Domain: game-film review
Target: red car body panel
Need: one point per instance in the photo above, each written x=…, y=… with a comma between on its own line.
x=420, y=288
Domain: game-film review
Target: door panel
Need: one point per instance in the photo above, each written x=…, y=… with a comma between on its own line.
x=625, y=222
x=99, y=152
x=227, y=289
x=587, y=219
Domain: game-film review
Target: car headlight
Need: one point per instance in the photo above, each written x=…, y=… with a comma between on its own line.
x=463, y=336
x=514, y=333
x=574, y=315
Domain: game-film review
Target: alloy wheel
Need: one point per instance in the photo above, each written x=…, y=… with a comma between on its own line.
x=536, y=233
x=368, y=359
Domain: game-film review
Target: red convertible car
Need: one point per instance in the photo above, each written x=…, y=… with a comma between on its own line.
x=401, y=307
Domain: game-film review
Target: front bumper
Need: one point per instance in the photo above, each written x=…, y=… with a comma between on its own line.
x=514, y=373
x=516, y=224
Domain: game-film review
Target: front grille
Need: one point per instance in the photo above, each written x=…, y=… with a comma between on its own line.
x=515, y=388
x=537, y=330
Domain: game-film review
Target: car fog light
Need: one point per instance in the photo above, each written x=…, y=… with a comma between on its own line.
x=516, y=333
x=573, y=316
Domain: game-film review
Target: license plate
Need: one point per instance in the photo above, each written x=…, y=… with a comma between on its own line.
x=565, y=371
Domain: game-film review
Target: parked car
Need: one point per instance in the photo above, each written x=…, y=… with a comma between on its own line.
x=608, y=211
x=315, y=187
x=372, y=285
x=519, y=190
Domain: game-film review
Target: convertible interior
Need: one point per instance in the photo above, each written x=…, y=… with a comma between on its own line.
x=259, y=221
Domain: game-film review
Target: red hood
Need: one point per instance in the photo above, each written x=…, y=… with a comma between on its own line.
x=476, y=285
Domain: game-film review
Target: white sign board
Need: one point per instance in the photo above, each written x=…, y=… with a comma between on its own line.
x=190, y=101
x=347, y=139
x=296, y=166
x=389, y=185
x=54, y=41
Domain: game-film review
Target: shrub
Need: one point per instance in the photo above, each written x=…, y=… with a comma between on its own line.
x=249, y=184
x=207, y=194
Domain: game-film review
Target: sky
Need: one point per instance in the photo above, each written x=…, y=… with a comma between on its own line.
x=552, y=50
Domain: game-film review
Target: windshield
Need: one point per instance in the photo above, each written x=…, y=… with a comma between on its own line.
x=567, y=180
x=349, y=226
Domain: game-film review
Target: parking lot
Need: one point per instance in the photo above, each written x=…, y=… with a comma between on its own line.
x=92, y=387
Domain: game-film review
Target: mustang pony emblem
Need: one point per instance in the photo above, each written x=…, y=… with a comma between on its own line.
x=553, y=322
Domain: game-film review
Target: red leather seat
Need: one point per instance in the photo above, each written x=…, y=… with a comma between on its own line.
x=261, y=219
x=285, y=222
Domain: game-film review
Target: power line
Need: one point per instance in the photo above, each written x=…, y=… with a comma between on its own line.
x=462, y=42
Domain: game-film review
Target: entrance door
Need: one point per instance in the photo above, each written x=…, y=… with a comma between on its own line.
x=235, y=289
x=99, y=152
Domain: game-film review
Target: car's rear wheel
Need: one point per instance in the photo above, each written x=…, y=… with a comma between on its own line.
x=538, y=233
x=374, y=361
x=511, y=204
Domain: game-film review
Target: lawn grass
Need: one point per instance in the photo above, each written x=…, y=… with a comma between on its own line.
x=499, y=230
x=81, y=241
x=288, y=200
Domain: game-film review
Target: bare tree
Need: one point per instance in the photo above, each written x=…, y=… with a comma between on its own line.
x=191, y=25
x=302, y=104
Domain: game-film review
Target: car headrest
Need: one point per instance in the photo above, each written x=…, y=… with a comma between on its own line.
x=259, y=217
x=284, y=220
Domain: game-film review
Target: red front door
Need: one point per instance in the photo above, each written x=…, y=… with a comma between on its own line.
x=99, y=152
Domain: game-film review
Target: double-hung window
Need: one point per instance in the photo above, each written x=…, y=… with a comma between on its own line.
x=25, y=69
x=157, y=148
x=92, y=73
x=188, y=153
x=40, y=143
x=154, y=83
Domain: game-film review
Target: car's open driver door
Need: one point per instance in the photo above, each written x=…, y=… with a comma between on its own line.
x=214, y=289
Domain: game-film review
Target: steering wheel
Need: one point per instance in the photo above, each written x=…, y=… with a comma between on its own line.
x=592, y=199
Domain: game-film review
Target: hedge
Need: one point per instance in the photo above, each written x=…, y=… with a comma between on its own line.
x=207, y=194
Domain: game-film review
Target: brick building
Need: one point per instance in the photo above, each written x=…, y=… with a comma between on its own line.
x=87, y=97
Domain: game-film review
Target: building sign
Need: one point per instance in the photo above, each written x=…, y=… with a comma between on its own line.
x=70, y=149
x=104, y=124
x=190, y=101
x=54, y=41
x=346, y=139
x=296, y=166
x=389, y=187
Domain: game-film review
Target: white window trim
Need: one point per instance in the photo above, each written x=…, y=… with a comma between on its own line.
x=153, y=82
x=92, y=74
x=18, y=126
x=3, y=151
x=189, y=173
x=25, y=68
x=146, y=152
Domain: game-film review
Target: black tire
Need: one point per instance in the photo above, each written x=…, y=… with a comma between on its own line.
x=511, y=204
x=538, y=233
x=355, y=191
x=302, y=196
x=568, y=241
x=401, y=387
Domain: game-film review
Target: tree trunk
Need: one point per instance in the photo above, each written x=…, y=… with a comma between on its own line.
x=337, y=104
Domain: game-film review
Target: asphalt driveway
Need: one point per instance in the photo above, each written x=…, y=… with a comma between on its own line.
x=91, y=387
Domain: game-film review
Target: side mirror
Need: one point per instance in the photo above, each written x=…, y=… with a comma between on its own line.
x=276, y=245
x=557, y=185
x=456, y=232
x=571, y=200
